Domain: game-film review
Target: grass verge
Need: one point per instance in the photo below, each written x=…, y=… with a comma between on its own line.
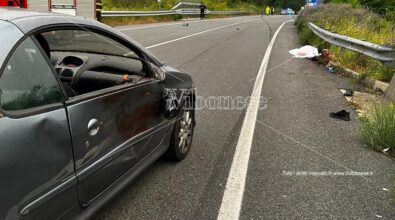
x=354, y=22
x=378, y=128
x=151, y=5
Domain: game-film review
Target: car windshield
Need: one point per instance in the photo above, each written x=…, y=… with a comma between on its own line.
x=85, y=41
x=9, y=37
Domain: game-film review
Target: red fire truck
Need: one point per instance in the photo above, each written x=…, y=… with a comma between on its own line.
x=86, y=8
x=14, y=3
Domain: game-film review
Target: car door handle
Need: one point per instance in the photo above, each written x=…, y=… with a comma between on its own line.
x=94, y=126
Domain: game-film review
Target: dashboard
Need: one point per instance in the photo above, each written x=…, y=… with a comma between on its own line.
x=83, y=72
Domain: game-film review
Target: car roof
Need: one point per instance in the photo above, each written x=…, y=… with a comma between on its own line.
x=9, y=14
x=27, y=20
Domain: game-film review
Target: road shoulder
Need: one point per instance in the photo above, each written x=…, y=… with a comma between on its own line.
x=295, y=134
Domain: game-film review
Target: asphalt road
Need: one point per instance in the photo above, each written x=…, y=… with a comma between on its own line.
x=295, y=143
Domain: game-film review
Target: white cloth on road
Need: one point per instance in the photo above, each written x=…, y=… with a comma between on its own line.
x=305, y=52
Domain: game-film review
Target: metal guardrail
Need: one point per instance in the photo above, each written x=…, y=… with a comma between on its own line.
x=384, y=54
x=170, y=12
x=182, y=8
x=136, y=13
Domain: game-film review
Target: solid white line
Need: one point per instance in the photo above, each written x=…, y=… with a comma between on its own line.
x=235, y=185
x=202, y=32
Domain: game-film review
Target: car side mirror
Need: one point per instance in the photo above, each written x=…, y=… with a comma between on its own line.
x=159, y=72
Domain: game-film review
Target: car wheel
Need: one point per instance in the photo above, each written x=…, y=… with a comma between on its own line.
x=181, y=138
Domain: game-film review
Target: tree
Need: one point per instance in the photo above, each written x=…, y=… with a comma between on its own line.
x=380, y=6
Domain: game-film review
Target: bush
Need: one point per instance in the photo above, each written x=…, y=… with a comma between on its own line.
x=378, y=127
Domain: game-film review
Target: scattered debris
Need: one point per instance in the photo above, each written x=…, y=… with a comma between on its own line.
x=342, y=115
x=305, y=52
x=331, y=69
x=326, y=53
x=360, y=113
x=364, y=102
x=386, y=150
x=326, y=57
x=378, y=216
x=347, y=92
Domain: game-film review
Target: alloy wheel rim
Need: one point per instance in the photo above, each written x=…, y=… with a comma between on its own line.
x=185, y=134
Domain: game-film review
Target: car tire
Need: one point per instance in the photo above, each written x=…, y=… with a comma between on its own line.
x=182, y=135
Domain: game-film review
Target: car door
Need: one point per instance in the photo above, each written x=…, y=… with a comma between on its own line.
x=113, y=129
x=37, y=179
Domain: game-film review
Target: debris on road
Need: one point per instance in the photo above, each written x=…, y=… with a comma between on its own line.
x=185, y=24
x=305, y=52
x=364, y=102
x=386, y=150
x=347, y=92
x=342, y=115
x=385, y=189
x=331, y=69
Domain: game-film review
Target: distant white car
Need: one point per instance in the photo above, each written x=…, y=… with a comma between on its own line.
x=290, y=11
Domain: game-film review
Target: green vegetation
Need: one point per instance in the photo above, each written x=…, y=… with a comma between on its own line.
x=378, y=6
x=378, y=127
x=251, y=5
x=168, y=4
x=354, y=21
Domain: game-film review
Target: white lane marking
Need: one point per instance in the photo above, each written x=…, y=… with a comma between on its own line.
x=202, y=32
x=235, y=185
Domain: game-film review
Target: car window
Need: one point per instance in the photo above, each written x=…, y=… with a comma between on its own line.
x=87, y=62
x=27, y=80
x=85, y=41
x=9, y=36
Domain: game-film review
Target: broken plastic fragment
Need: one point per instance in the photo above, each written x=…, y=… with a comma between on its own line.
x=385, y=189
x=347, y=92
x=386, y=150
x=378, y=216
x=305, y=52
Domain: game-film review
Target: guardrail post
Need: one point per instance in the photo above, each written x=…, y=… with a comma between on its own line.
x=99, y=7
x=390, y=93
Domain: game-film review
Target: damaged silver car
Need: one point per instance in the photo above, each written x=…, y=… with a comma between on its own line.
x=83, y=111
